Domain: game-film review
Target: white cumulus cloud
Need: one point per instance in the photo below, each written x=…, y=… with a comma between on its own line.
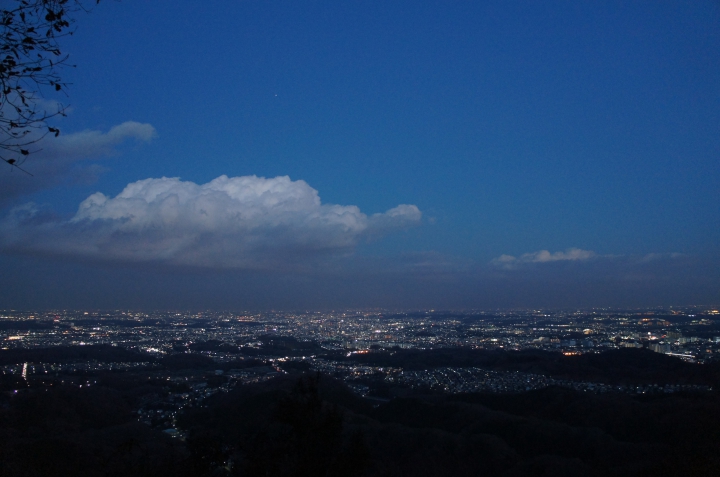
x=230, y=222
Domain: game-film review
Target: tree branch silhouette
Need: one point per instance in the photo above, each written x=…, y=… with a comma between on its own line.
x=31, y=62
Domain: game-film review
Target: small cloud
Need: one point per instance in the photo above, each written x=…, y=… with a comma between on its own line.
x=505, y=259
x=652, y=257
x=544, y=256
x=230, y=222
x=570, y=254
x=59, y=161
x=93, y=144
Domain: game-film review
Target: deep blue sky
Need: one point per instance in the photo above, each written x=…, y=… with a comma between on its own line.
x=514, y=127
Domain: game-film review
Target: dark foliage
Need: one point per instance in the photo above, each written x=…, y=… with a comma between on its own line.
x=60, y=354
x=282, y=429
x=214, y=345
x=186, y=361
x=302, y=424
x=295, y=366
x=621, y=366
x=90, y=432
x=24, y=325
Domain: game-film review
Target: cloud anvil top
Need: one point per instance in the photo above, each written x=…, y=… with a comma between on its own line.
x=230, y=222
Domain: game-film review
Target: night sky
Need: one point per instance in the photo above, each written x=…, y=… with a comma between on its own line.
x=342, y=154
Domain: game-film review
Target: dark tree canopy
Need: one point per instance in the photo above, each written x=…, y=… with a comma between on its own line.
x=31, y=62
